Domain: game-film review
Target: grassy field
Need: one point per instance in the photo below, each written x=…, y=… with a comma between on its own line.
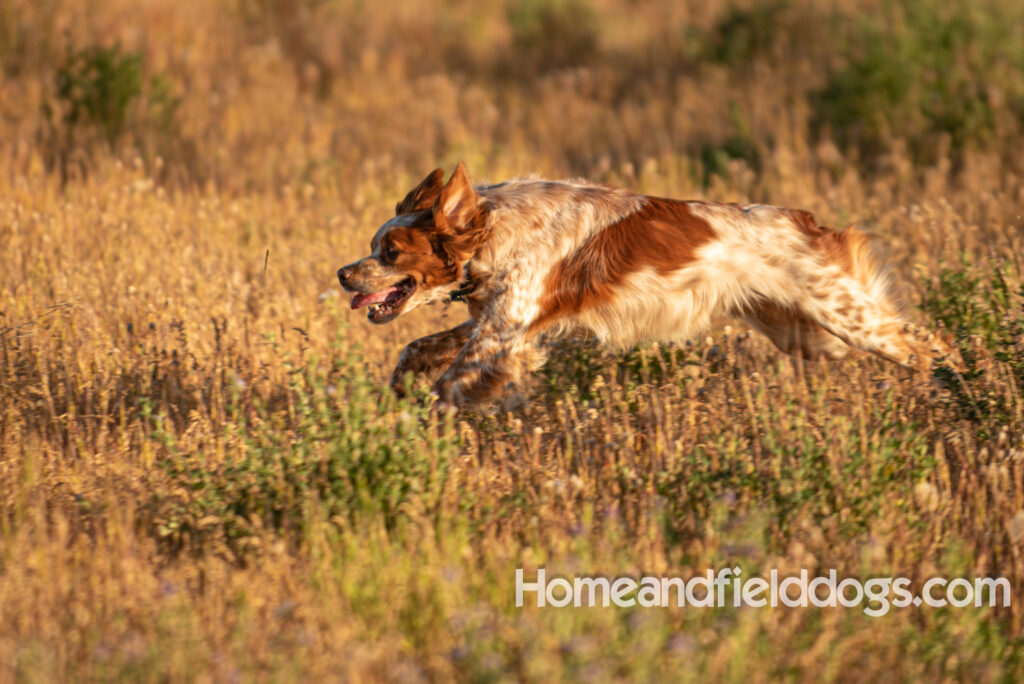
x=203, y=478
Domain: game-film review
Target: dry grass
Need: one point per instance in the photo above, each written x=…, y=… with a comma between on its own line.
x=202, y=478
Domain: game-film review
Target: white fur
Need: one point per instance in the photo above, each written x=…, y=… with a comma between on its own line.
x=758, y=256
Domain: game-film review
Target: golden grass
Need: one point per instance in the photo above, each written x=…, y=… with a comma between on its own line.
x=203, y=479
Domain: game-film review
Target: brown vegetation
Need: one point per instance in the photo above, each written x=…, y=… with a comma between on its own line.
x=204, y=476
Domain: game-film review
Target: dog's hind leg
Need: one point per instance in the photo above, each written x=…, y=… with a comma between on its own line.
x=793, y=331
x=851, y=299
x=430, y=355
x=852, y=316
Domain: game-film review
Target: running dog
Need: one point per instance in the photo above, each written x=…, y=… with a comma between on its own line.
x=535, y=259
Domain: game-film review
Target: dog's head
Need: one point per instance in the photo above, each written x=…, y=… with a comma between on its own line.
x=417, y=257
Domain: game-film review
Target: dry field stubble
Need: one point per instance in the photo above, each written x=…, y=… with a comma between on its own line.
x=202, y=475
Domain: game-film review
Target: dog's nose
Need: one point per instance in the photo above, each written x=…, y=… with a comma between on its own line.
x=344, y=273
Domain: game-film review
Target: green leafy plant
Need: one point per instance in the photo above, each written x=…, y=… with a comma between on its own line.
x=102, y=95
x=743, y=34
x=716, y=158
x=343, y=453
x=986, y=315
x=98, y=85
x=920, y=71
x=552, y=34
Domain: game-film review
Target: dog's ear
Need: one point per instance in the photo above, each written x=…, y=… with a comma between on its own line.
x=458, y=202
x=423, y=195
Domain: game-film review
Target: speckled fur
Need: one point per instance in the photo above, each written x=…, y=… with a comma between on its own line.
x=552, y=258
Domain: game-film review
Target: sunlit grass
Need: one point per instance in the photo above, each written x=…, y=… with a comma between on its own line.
x=203, y=476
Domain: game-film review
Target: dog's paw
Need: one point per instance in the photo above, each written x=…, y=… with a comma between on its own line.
x=443, y=407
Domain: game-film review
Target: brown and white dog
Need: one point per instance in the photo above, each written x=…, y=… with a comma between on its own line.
x=535, y=258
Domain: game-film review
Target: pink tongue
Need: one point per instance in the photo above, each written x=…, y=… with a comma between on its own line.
x=359, y=301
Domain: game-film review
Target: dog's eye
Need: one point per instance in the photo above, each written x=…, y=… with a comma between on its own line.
x=390, y=254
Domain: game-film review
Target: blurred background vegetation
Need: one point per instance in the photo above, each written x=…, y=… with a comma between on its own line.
x=592, y=88
x=203, y=478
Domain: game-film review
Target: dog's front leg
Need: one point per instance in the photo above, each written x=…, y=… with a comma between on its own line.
x=491, y=361
x=431, y=354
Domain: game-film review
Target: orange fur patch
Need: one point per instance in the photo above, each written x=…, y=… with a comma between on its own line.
x=663, y=235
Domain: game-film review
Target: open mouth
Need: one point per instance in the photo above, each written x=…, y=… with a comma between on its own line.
x=386, y=304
